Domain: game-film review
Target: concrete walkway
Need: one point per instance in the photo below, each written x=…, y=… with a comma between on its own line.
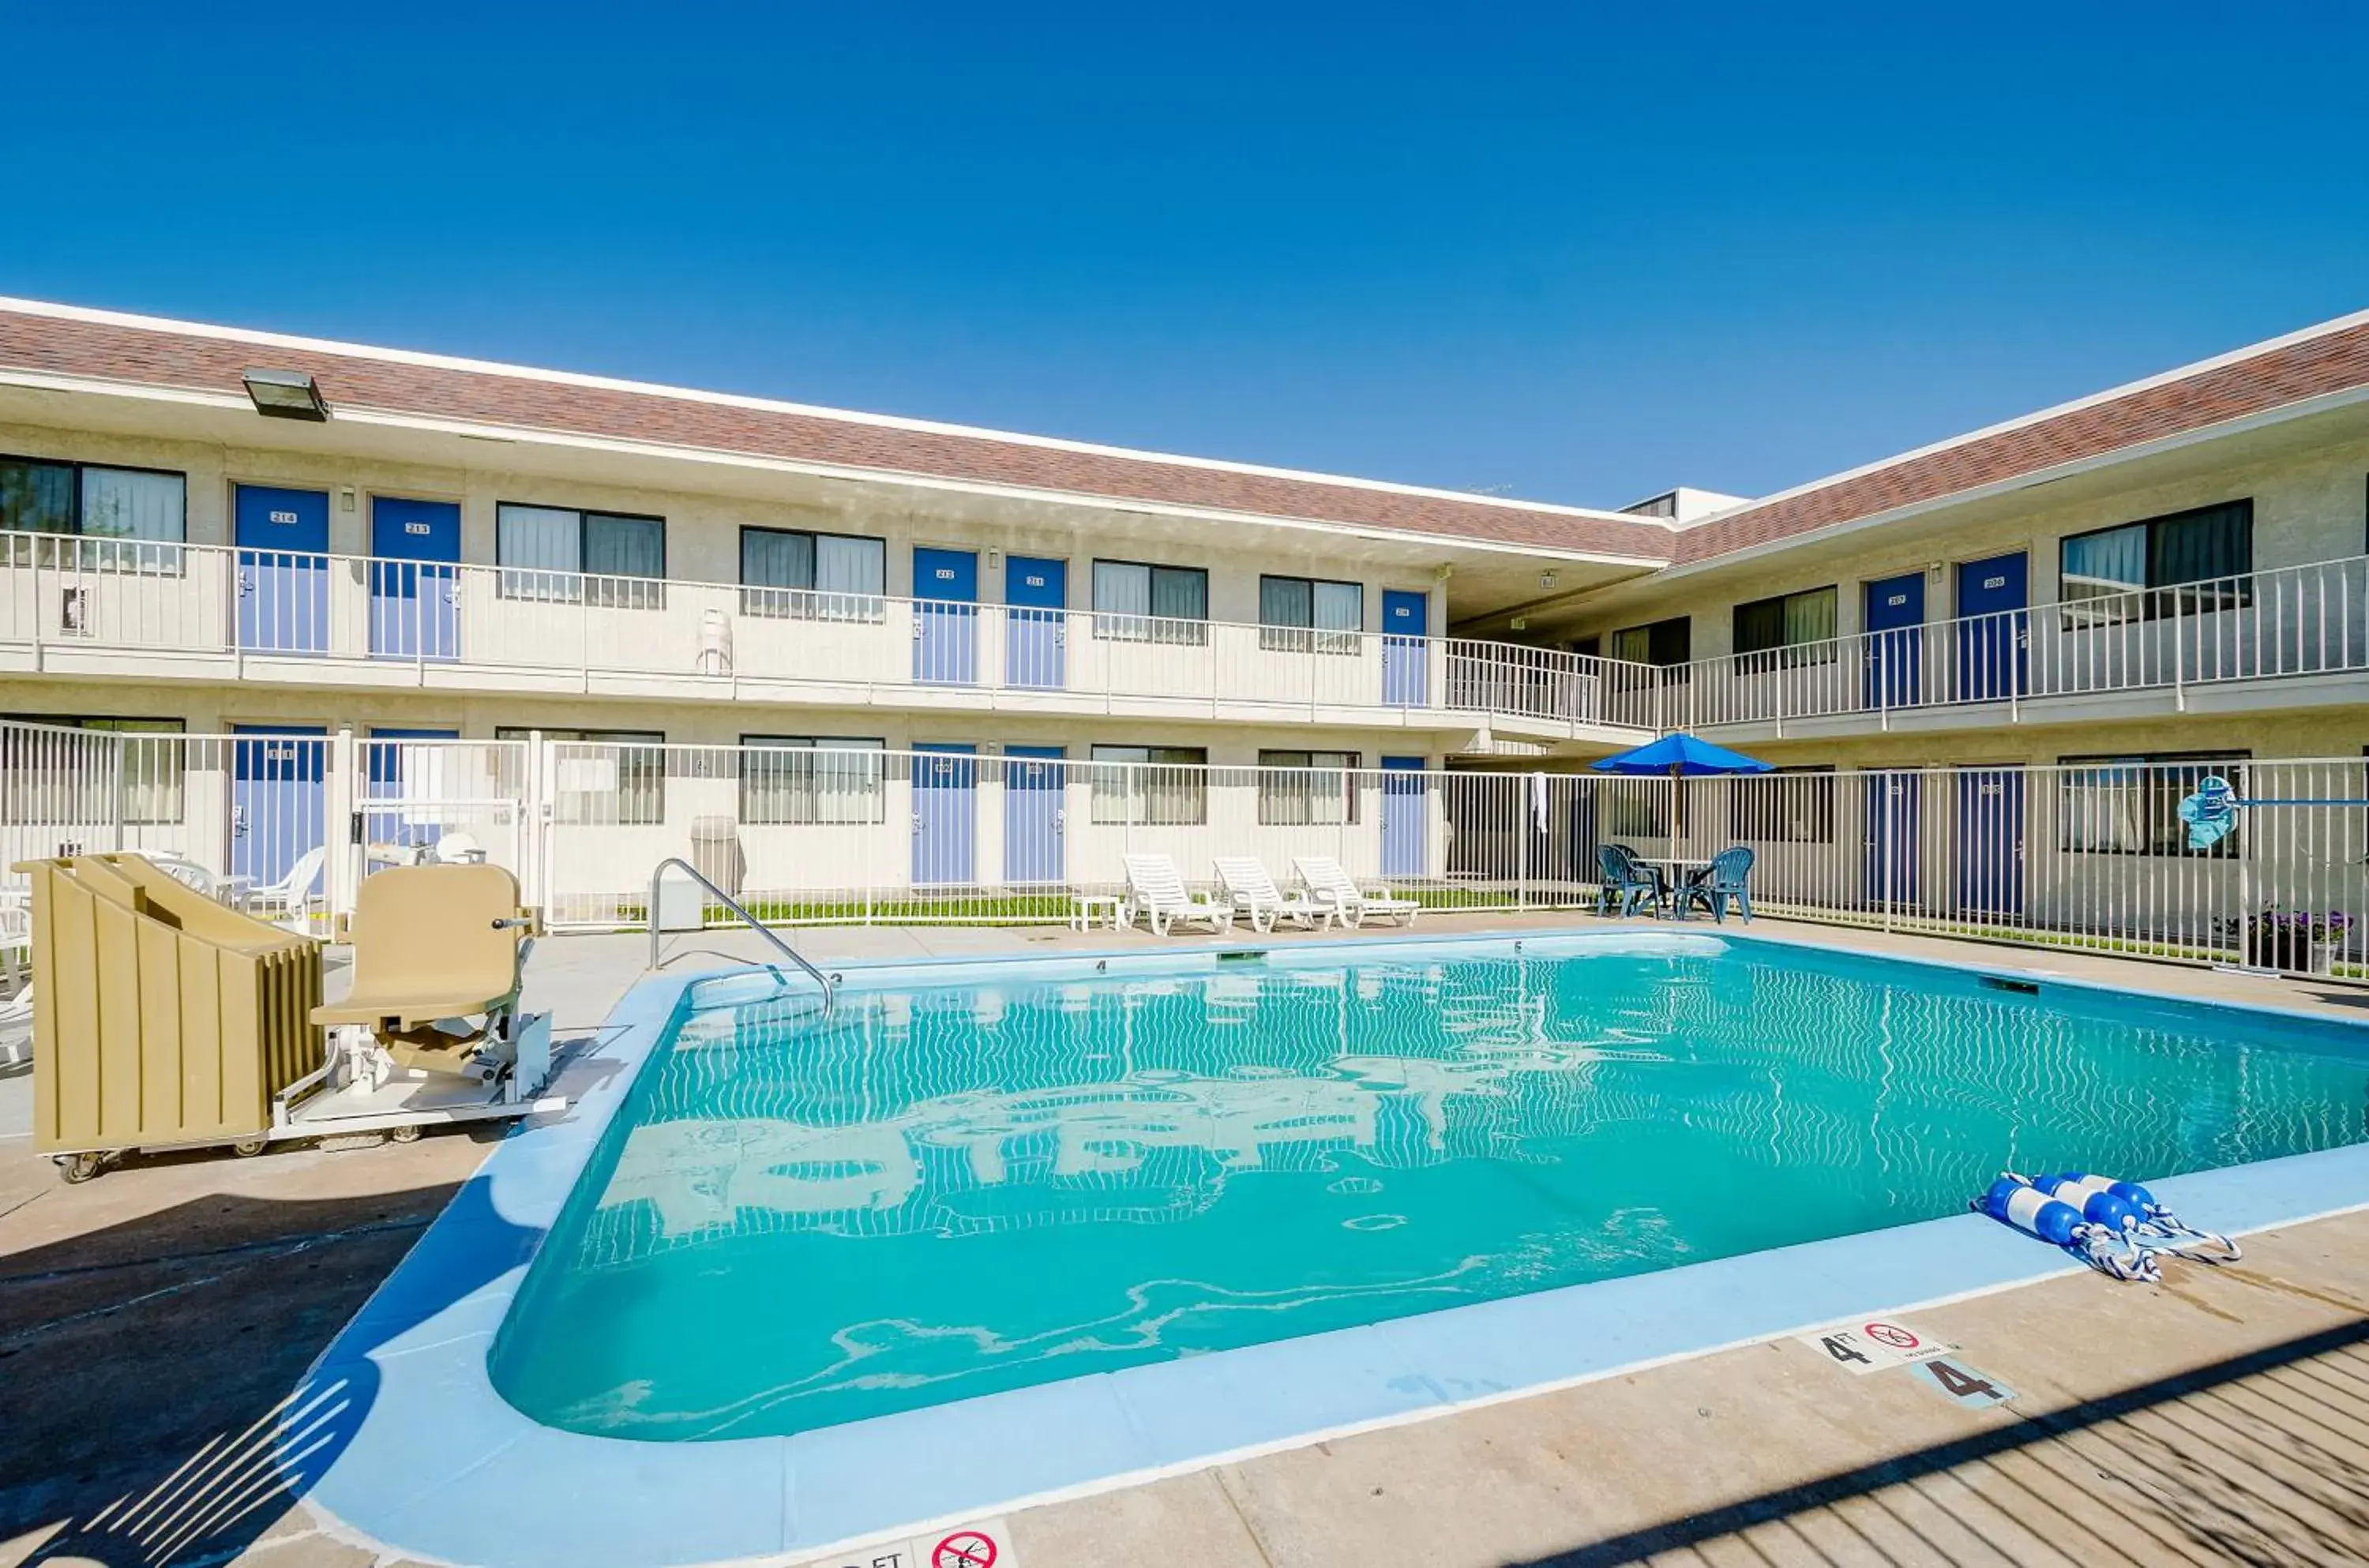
x=151, y=1317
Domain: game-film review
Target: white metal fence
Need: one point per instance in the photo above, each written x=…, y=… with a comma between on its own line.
x=2089, y=856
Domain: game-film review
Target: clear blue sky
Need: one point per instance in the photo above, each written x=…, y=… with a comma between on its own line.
x=1579, y=256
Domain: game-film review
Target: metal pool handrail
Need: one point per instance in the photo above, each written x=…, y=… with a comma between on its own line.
x=830, y=991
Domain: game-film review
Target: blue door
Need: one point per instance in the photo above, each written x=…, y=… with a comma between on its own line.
x=1993, y=632
x=415, y=581
x=1037, y=644
x=277, y=799
x=389, y=827
x=1405, y=817
x=1990, y=843
x=945, y=616
x=1406, y=653
x=283, y=570
x=1032, y=823
x=1896, y=642
x=946, y=814
x=1892, y=838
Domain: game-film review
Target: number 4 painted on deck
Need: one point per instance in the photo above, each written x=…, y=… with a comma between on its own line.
x=1839, y=1347
x=1964, y=1384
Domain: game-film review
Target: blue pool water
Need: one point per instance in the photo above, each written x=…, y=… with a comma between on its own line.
x=937, y=1193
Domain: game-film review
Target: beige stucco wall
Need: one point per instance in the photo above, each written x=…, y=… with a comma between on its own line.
x=208, y=710
x=703, y=529
x=2308, y=507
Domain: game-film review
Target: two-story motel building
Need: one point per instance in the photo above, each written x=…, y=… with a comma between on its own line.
x=278, y=536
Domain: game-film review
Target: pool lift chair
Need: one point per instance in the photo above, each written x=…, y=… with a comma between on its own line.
x=213, y=1017
x=431, y=1030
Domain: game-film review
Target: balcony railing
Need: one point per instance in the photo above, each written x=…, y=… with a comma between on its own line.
x=2289, y=621
x=263, y=612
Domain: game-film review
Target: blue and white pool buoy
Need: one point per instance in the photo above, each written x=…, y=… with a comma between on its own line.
x=2151, y=1226
x=2011, y=1200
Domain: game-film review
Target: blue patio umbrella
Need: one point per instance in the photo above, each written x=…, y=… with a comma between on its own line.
x=1680, y=755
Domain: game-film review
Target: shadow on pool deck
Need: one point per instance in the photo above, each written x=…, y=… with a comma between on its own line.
x=153, y=1400
x=2183, y=1459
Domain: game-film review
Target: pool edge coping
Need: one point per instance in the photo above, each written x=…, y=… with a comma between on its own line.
x=533, y=1172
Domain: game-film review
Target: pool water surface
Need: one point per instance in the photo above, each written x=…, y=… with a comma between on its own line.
x=934, y=1193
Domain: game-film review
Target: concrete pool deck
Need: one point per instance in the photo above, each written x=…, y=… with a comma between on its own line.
x=107, y=1271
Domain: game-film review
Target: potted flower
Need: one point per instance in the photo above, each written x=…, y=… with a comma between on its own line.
x=2327, y=935
x=2297, y=941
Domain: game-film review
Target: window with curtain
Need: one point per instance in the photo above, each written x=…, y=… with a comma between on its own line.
x=1307, y=788
x=2185, y=563
x=606, y=777
x=1791, y=805
x=36, y=497
x=825, y=577
x=540, y=551
x=130, y=503
x=1786, y=631
x=1307, y=614
x=1156, y=786
x=562, y=555
x=57, y=781
x=2131, y=805
x=796, y=781
x=1664, y=643
x=1135, y=601
x=135, y=519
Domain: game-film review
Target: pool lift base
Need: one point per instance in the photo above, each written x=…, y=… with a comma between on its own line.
x=361, y=1089
x=360, y=1092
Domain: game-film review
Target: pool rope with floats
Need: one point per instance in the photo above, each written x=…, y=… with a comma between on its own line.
x=2117, y=1227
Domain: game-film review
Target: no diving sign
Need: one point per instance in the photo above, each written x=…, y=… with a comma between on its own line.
x=984, y=1545
x=965, y=1548
x=1875, y=1343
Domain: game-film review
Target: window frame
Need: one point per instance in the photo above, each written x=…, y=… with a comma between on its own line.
x=1750, y=811
x=2153, y=600
x=1126, y=627
x=1100, y=771
x=99, y=552
x=1286, y=636
x=1290, y=792
x=1782, y=654
x=1685, y=625
x=812, y=785
x=645, y=813
x=772, y=601
x=2160, y=792
x=605, y=590
x=173, y=778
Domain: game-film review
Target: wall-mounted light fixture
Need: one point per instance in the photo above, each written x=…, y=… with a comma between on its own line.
x=1546, y=580
x=285, y=395
x=1521, y=622
x=995, y=560
x=344, y=497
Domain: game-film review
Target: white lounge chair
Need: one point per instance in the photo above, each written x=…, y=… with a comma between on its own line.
x=1331, y=887
x=1156, y=896
x=290, y=900
x=1256, y=896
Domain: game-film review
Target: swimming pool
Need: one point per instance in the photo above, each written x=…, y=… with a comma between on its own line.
x=944, y=1191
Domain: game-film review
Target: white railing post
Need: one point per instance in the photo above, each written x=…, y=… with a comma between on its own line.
x=2179, y=656
x=342, y=856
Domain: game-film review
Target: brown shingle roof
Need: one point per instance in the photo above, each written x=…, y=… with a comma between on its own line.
x=2281, y=373
x=157, y=353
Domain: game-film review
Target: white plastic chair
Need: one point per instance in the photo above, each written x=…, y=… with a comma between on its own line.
x=291, y=896
x=1256, y=896
x=1331, y=886
x=1156, y=896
